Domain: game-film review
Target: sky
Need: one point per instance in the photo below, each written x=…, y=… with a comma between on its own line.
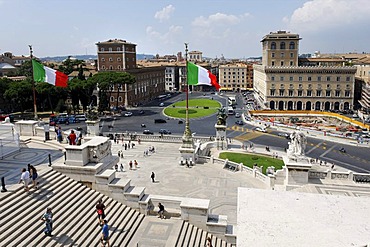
x=229, y=28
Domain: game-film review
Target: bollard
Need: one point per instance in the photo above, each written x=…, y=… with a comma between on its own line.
x=49, y=159
x=3, y=189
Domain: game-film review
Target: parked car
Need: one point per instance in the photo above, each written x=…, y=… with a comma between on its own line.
x=164, y=132
x=237, y=115
x=148, y=132
x=261, y=129
x=128, y=114
x=159, y=120
x=141, y=112
x=239, y=122
x=161, y=104
x=286, y=135
x=81, y=118
x=73, y=119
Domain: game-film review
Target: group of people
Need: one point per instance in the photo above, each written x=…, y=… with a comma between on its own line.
x=151, y=150
x=72, y=138
x=27, y=175
x=132, y=165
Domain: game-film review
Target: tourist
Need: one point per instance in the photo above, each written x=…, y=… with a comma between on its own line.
x=135, y=164
x=72, y=138
x=116, y=167
x=25, y=178
x=48, y=219
x=100, y=207
x=153, y=177
x=121, y=167
x=138, y=141
x=34, y=176
x=161, y=211
x=209, y=242
x=105, y=234
x=130, y=164
x=59, y=134
x=79, y=139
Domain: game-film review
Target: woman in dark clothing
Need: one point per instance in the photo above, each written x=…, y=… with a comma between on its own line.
x=100, y=207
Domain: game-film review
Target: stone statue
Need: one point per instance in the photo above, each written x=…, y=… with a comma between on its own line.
x=221, y=116
x=92, y=113
x=298, y=143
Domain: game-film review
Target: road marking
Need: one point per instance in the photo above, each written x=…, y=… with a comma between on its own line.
x=327, y=151
x=318, y=145
x=344, y=163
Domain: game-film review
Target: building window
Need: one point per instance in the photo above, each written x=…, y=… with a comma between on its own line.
x=111, y=99
x=118, y=48
x=273, y=45
x=281, y=78
x=111, y=67
x=119, y=67
x=110, y=48
x=282, y=55
x=281, y=92
x=300, y=78
x=282, y=85
x=111, y=59
x=101, y=49
x=291, y=93
x=328, y=78
x=347, y=93
x=337, y=93
x=282, y=45
x=348, y=78
x=118, y=59
x=309, y=93
x=318, y=93
x=291, y=78
x=291, y=63
x=272, y=78
x=291, y=45
x=120, y=99
x=281, y=63
x=319, y=78
x=338, y=78
x=300, y=93
x=291, y=55
x=103, y=67
x=328, y=93
x=103, y=59
x=272, y=92
x=272, y=63
x=273, y=54
x=309, y=78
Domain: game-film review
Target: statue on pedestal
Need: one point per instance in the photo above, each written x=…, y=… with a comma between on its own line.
x=92, y=113
x=298, y=143
x=221, y=116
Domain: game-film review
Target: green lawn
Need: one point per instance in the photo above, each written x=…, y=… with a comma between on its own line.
x=196, y=108
x=251, y=159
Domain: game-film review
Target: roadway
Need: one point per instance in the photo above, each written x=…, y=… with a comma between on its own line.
x=355, y=158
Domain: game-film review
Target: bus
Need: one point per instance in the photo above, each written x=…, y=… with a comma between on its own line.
x=230, y=110
x=231, y=100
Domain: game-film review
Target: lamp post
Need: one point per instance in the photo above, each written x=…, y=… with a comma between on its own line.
x=33, y=85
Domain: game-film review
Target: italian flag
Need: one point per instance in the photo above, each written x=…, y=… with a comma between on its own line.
x=198, y=75
x=42, y=73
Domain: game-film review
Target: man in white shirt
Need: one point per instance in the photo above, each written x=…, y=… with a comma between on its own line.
x=25, y=178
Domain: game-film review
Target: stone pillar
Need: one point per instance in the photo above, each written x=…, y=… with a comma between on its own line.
x=221, y=140
x=92, y=127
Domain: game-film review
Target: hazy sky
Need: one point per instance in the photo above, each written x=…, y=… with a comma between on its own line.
x=233, y=28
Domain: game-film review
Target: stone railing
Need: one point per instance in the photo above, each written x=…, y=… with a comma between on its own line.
x=336, y=175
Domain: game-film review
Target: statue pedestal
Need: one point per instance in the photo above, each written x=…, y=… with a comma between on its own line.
x=296, y=170
x=92, y=127
x=221, y=140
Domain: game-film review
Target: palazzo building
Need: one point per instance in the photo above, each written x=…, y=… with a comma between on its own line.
x=120, y=55
x=280, y=83
x=236, y=77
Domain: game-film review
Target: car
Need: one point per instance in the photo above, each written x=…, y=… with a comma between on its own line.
x=237, y=115
x=81, y=118
x=180, y=122
x=164, y=132
x=239, y=122
x=143, y=125
x=141, y=112
x=161, y=104
x=261, y=129
x=148, y=132
x=128, y=114
x=286, y=135
x=160, y=120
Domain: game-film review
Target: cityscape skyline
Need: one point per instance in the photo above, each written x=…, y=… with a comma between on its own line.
x=232, y=28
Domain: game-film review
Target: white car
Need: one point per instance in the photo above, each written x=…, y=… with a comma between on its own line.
x=161, y=104
x=261, y=129
x=128, y=114
x=237, y=115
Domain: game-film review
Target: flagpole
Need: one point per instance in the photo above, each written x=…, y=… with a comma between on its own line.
x=33, y=85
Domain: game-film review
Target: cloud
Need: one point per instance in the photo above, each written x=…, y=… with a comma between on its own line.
x=325, y=14
x=217, y=19
x=165, y=13
x=167, y=37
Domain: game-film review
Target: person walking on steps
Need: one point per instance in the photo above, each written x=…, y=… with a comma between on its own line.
x=153, y=177
x=34, y=176
x=48, y=219
x=100, y=207
x=105, y=234
x=25, y=178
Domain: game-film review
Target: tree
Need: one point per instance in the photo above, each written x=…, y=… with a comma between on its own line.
x=69, y=65
x=4, y=85
x=20, y=94
x=105, y=80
